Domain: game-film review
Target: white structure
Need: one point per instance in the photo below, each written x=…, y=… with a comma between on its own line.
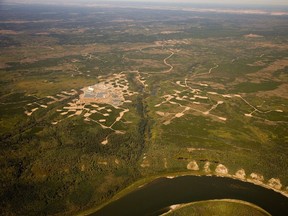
x=91, y=89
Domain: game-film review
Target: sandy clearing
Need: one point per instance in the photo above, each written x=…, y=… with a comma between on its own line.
x=253, y=36
x=73, y=108
x=179, y=83
x=79, y=112
x=186, y=109
x=160, y=113
x=201, y=97
x=207, y=167
x=257, y=178
x=240, y=174
x=227, y=96
x=195, y=149
x=222, y=118
x=61, y=95
x=69, y=93
x=193, y=166
x=275, y=183
x=178, y=115
x=221, y=169
x=213, y=93
x=105, y=142
x=127, y=101
x=87, y=115
x=203, y=84
x=167, y=122
x=101, y=108
x=30, y=113
x=51, y=97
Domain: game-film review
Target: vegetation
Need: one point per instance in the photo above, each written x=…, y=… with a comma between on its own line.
x=218, y=208
x=227, y=80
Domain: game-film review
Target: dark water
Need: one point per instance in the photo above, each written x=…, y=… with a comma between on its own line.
x=155, y=197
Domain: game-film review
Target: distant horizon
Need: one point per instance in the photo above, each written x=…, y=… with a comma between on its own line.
x=204, y=2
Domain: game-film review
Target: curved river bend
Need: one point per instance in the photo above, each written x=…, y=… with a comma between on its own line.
x=155, y=198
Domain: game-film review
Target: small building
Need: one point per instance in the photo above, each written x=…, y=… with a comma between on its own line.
x=91, y=89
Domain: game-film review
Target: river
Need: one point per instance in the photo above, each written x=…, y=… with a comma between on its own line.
x=156, y=197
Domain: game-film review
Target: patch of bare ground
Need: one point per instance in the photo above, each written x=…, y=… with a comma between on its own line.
x=145, y=163
x=253, y=36
x=221, y=169
x=160, y=113
x=256, y=178
x=207, y=167
x=195, y=149
x=192, y=165
x=275, y=183
x=240, y=174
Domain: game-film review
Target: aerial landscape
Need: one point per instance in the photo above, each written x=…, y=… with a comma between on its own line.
x=105, y=106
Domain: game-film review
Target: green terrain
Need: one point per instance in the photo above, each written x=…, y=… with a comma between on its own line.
x=217, y=208
x=205, y=93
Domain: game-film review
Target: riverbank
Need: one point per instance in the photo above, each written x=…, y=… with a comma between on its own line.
x=218, y=207
x=142, y=182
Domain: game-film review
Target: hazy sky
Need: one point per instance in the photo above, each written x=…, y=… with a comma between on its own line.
x=218, y=1
x=263, y=2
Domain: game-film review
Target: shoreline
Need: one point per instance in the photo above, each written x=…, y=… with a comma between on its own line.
x=146, y=180
x=179, y=206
